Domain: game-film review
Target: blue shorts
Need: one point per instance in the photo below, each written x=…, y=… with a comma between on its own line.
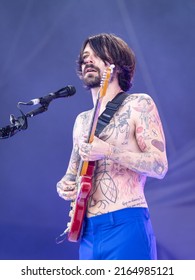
x=124, y=234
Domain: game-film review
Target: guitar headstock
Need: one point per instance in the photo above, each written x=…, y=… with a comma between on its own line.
x=105, y=80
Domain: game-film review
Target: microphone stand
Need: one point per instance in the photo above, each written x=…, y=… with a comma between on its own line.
x=20, y=123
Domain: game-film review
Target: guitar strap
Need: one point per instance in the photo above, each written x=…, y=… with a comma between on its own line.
x=111, y=108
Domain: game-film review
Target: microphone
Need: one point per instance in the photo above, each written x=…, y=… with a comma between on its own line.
x=63, y=92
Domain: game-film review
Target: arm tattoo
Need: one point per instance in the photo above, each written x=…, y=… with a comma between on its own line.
x=74, y=160
x=143, y=163
x=70, y=177
x=158, y=144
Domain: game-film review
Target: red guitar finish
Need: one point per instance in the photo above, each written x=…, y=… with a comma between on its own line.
x=81, y=204
x=86, y=170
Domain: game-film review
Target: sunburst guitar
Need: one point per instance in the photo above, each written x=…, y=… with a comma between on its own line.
x=86, y=170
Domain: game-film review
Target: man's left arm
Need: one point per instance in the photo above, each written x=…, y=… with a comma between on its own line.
x=151, y=160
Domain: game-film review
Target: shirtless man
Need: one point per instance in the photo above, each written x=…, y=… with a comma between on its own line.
x=130, y=148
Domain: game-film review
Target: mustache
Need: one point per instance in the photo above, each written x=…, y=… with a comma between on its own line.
x=91, y=66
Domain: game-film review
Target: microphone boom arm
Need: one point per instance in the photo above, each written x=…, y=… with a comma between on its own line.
x=20, y=123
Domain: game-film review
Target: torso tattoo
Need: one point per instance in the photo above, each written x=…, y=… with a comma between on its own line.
x=115, y=186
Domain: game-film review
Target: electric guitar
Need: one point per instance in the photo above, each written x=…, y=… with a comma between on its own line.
x=86, y=169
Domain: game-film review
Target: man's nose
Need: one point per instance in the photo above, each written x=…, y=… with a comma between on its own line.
x=89, y=60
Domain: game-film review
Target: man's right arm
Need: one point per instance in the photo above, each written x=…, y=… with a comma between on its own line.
x=66, y=187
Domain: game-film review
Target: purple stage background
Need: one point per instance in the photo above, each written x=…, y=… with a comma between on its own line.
x=39, y=44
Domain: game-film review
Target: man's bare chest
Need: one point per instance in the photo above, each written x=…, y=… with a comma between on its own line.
x=121, y=128
x=119, y=131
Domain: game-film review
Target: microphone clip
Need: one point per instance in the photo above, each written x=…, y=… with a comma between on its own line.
x=16, y=124
x=20, y=122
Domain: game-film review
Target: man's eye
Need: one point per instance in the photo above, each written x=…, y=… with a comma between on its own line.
x=84, y=58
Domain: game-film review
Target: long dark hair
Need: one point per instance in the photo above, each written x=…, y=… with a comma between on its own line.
x=112, y=49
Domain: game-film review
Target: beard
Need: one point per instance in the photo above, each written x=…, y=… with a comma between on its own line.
x=92, y=79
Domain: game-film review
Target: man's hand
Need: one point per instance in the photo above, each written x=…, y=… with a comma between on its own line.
x=96, y=150
x=66, y=189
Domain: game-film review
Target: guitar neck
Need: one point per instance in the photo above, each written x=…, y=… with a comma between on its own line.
x=84, y=164
x=94, y=119
x=101, y=94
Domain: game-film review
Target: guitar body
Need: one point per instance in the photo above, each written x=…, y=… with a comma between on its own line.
x=84, y=186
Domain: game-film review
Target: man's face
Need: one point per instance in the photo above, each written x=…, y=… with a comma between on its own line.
x=92, y=68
